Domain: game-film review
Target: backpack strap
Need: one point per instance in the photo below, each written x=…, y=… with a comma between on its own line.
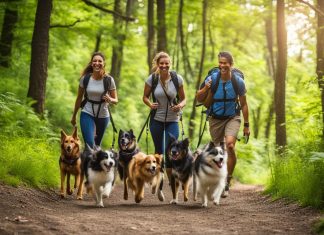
x=106, y=83
x=155, y=81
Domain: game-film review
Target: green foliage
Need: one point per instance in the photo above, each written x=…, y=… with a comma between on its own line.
x=319, y=227
x=27, y=151
x=299, y=175
x=32, y=161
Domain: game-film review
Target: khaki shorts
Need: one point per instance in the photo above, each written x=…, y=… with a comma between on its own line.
x=220, y=128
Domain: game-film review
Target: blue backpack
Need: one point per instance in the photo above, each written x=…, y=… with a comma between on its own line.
x=225, y=97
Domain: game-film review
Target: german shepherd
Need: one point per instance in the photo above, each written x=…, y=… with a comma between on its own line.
x=127, y=149
x=182, y=165
x=70, y=162
x=144, y=169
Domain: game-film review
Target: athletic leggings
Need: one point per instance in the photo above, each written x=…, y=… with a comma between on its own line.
x=90, y=125
x=157, y=130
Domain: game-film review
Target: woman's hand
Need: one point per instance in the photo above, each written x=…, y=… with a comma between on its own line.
x=154, y=105
x=73, y=120
x=107, y=98
x=176, y=108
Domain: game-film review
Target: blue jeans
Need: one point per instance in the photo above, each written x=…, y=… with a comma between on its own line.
x=92, y=128
x=157, y=131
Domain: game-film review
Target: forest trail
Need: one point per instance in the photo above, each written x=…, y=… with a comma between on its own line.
x=245, y=211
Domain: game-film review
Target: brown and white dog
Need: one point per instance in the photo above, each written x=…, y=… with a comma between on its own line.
x=144, y=169
x=70, y=162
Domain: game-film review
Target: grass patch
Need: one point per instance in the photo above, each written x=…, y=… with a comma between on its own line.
x=29, y=161
x=299, y=176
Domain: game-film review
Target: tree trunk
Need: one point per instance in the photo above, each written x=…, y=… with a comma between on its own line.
x=119, y=35
x=280, y=85
x=98, y=41
x=161, y=27
x=150, y=34
x=193, y=112
x=185, y=55
x=39, y=55
x=256, y=121
x=270, y=62
x=7, y=34
x=320, y=55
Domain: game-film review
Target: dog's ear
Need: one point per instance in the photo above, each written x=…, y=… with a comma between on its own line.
x=209, y=146
x=140, y=158
x=75, y=133
x=172, y=137
x=63, y=136
x=87, y=148
x=185, y=143
x=96, y=148
x=158, y=158
x=120, y=132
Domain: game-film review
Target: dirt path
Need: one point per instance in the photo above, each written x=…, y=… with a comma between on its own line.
x=246, y=211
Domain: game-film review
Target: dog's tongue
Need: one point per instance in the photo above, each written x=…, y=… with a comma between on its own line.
x=219, y=164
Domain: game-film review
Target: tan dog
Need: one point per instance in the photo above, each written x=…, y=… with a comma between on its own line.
x=70, y=162
x=144, y=169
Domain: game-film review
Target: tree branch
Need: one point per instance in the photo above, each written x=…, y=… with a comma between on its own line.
x=127, y=18
x=318, y=11
x=65, y=26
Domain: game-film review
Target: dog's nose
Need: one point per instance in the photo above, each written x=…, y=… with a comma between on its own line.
x=174, y=152
x=221, y=159
x=69, y=148
x=111, y=163
x=153, y=168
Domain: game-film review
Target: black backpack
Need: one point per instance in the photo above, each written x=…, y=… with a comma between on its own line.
x=106, y=82
x=174, y=78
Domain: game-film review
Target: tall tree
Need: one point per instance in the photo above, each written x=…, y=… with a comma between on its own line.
x=320, y=54
x=280, y=82
x=202, y=59
x=270, y=61
x=184, y=49
x=119, y=35
x=161, y=27
x=39, y=55
x=7, y=33
x=150, y=33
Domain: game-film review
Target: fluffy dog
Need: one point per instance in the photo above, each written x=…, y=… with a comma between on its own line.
x=144, y=169
x=182, y=163
x=99, y=168
x=70, y=162
x=127, y=149
x=210, y=171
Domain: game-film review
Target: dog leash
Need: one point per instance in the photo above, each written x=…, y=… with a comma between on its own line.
x=203, y=130
x=114, y=128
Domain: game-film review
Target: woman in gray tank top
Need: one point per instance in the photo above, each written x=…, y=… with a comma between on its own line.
x=99, y=91
x=166, y=113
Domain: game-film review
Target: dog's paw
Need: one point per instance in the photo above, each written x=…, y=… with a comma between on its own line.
x=174, y=201
x=160, y=195
x=79, y=198
x=69, y=192
x=185, y=199
x=153, y=190
x=62, y=195
x=204, y=205
x=100, y=205
x=216, y=203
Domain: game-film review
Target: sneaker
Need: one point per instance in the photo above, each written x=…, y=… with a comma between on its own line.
x=226, y=191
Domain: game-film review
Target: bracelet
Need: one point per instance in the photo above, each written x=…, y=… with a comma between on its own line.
x=246, y=124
